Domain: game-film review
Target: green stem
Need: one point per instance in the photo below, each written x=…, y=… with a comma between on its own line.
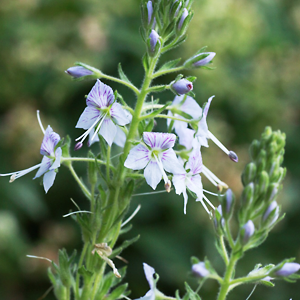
x=229, y=236
x=80, y=183
x=225, y=256
x=225, y=285
x=108, y=164
x=82, y=256
x=128, y=84
x=86, y=159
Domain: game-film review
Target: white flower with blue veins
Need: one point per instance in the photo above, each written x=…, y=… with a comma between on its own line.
x=156, y=156
x=50, y=162
x=102, y=114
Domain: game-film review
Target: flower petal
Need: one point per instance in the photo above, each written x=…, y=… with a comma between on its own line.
x=152, y=174
x=149, y=272
x=186, y=137
x=171, y=163
x=50, y=140
x=101, y=95
x=196, y=185
x=48, y=180
x=56, y=163
x=137, y=158
x=179, y=183
x=120, y=115
x=88, y=117
x=159, y=139
x=195, y=161
x=120, y=137
x=108, y=130
x=45, y=166
x=191, y=107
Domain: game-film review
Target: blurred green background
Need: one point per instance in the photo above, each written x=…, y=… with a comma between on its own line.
x=256, y=83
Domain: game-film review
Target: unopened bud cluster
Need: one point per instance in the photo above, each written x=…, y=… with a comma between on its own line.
x=262, y=179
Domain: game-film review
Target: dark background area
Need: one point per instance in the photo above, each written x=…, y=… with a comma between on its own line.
x=256, y=84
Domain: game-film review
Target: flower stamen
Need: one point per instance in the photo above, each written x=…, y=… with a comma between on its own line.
x=40, y=122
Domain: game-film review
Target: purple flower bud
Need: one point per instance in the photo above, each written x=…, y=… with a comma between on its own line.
x=273, y=206
x=199, y=270
x=248, y=231
x=185, y=13
x=154, y=38
x=232, y=155
x=229, y=201
x=182, y=86
x=288, y=269
x=78, y=146
x=150, y=11
x=78, y=71
x=203, y=60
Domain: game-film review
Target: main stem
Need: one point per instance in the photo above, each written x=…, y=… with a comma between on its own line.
x=225, y=285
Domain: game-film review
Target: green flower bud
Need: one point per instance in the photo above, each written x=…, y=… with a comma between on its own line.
x=249, y=173
x=261, y=161
x=262, y=184
x=254, y=149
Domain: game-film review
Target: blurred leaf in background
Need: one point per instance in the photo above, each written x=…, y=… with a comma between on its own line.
x=256, y=83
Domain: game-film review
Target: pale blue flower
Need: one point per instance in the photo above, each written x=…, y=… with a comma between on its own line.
x=156, y=156
x=190, y=178
x=50, y=162
x=149, y=272
x=102, y=114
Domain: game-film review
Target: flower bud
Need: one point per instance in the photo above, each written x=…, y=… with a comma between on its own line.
x=227, y=204
x=271, y=192
x=262, y=184
x=154, y=43
x=271, y=214
x=199, y=270
x=150, y=11
x=78, y=71
x=249, y=173
x=288, y=269
x=182, y=86
x=200, y=60
x=254, y=149
x=174, y=10
x=218, y=220
x=232, y=155
x=247, y=231
x=184, y=15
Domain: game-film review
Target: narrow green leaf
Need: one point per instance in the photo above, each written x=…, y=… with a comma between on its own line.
x=122, y=74
x=125, y=244
x=169, y=65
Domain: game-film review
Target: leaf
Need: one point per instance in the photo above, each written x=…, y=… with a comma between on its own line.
x=191, y=293
x=117, y=292
x=125, y=244
x=158, y=111
x=146, y=62
x=122, y=74
x=169, y=65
